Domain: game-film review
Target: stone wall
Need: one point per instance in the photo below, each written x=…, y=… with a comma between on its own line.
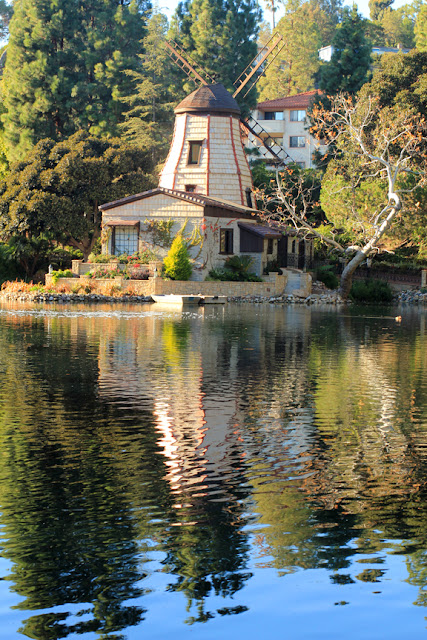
x=80, y=268
x=157, y=286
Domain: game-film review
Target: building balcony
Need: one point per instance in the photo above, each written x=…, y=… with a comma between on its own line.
x=273, y=126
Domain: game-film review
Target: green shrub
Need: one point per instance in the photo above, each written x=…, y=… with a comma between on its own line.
x=239, y=264
x=327, y=275
x=226, y=275
x=60, y=258
x=177, y=265
x=101, y=258
x=272, y=266
x=236, y=269
x=66, y=273
x=371, y=291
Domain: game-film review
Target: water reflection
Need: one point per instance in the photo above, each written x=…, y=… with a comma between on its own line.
x=205, y=447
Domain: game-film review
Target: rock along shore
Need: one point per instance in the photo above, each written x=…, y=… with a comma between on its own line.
x=409, y=297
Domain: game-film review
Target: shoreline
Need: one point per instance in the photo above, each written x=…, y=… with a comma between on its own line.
x=413, y=297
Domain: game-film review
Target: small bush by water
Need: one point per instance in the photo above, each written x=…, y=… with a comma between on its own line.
x=236, y=269
x=327, y=275
x=371, y=291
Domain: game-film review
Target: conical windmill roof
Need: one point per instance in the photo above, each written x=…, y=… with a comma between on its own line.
x=209, y=98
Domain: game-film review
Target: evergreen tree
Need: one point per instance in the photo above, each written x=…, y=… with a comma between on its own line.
x=220, y=35
x=421, y=30
x=377, y=8
x=149, y=120
x=177, y=263
x=398, y=29
x=305, y=28
x=66, y=68
x=400, y=84
x=348, y=68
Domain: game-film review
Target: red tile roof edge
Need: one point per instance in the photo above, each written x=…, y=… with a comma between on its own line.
x=297, y=100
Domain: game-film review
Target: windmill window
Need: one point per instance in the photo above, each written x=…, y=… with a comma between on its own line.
x=297, y=115
x=249, y=198
x=226, y=241
x=296, y=141
x=194, y=151
x=190, y=188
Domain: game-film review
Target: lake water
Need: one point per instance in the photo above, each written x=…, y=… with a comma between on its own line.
x=238, y=472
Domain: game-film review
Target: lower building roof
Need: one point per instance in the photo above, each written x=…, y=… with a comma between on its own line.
x=260, y=230
x=195, y=198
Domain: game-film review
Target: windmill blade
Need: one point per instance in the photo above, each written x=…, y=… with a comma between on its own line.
x=256, y=68
x=280, y=155
x=191, y=69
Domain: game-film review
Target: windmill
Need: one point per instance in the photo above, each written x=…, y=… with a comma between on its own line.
x=246, y=81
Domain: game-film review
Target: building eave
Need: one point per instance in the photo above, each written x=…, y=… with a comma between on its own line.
x=197, y=199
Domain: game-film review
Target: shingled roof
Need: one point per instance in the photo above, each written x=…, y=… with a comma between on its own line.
x=195, y=198
x=299, y=101
x=209, y=98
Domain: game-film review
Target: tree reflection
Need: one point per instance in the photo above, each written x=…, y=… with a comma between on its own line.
x=173, y=434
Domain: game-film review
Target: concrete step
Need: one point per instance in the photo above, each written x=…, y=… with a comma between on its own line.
x=293, y=282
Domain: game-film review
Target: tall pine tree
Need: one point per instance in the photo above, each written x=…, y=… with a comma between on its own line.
x=156, y=90
x=305, y=27
x=421, y=30
x=66, y=68
x=220, y=35
x=348, y=68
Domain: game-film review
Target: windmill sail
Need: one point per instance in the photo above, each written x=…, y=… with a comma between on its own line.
x=249, y=77
x=191, y=69
x=258, y=66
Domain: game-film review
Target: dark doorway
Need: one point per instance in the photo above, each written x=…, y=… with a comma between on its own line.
x=282, y=251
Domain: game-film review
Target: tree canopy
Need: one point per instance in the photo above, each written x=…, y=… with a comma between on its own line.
x=220, y=36
x=421, y=30
x=305, y=28
x=382, y=156
x=348, y=68
x=67, y=68
x=148, y=121
x=57, y=188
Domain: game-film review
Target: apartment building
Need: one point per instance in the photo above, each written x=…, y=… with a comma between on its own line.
x=285, y=121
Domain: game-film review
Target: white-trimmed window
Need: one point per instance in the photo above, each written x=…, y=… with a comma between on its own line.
x=125, y=240
x=297, y=115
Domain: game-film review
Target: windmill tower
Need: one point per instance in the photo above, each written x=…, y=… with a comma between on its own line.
x=207, y=155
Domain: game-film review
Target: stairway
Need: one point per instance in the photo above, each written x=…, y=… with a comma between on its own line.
x=294, y=280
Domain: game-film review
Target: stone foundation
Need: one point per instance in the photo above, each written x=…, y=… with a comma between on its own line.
x=157, y=286
x=80, y=268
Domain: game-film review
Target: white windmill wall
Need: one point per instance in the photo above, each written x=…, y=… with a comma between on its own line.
x=223, y=170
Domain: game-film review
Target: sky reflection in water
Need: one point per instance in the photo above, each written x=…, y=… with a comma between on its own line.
x=235, y=472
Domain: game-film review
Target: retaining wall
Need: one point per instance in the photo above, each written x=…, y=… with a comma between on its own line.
x=80, y=268
x=157, y=286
